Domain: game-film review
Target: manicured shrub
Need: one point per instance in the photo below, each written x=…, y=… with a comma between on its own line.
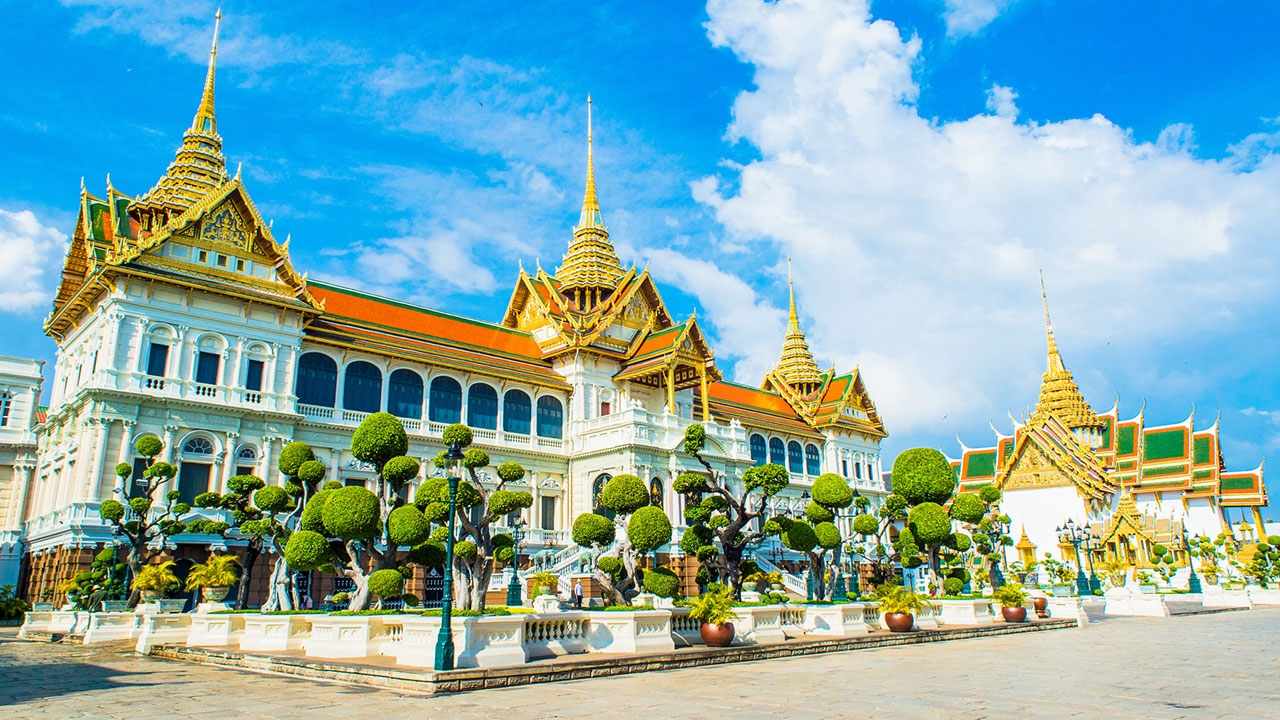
x=689, y=483
x=827, y=535
x=245, y=484
x=610, y=565
x=624, y=494
x=967, y=508
x=124, y=470
x=591, y=529
x=800, y=537
x=331, y=485
x=714, y=503
x=989, y=494
x=306, y=550
x=960, y=542
x=429, y=554
x=466, y=550
x=502, y=540
x=161, y=470
x=272, y=499
x=769, y=478
x=148, y=446
x=649, y=529
x=292, y=457
x=311, y=472
x=379, y=438
x=505, y=555
x=407, y=527
x=865, y=524
x=352, y=513
x=510, y=471
x=111, y=510
x=833, y=491
x=313, y=512
x=695, y=536
x=505, y=502
x=662, y=582
x=400, y=470
x=816, y=513
x=929, y=523
x=696, y=514
x=953, y=586
x=140, y=505
x=386, y=583
x=717, y=521
x=923, y=475
x=457, y=433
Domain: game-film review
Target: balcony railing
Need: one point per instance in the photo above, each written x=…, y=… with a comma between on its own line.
x=434, y=430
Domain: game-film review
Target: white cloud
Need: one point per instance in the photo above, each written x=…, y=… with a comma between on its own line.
x=967, y=17
x=916, y=242
x=31, y=255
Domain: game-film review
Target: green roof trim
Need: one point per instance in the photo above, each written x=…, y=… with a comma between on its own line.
x=1202, y=474
x=1166, y=470
x=1107, y=427
x=1164, y=444
x=1238, y=483
x=980, y=464
x=1126, y=444
x=1201, y=450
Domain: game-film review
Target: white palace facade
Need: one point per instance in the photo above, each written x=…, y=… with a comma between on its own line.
x=179, y=315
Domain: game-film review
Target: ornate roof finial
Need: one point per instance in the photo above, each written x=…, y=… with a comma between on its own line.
x=205, y=121
x=590, y=264
x=1059, y=394
x=1055, y=359
x=797, y=366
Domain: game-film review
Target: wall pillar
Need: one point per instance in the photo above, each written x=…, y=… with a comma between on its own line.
x=93, y=473
x=264, y=469
x=125, y=456
x=229, y=460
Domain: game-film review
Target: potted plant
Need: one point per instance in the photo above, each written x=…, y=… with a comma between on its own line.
x=898, y=606
x=545, y=583
x=1012, y=598
x=155, y=581
x=214, y=577
x=714, y=610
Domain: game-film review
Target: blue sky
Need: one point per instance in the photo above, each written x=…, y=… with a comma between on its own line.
x=918, y=161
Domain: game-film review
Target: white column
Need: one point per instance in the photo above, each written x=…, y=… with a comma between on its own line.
x=126, y=454
x=18, y=496
x=229, y=460
x=94, y=471
x=168, y=455
x=535, y=511
x=71, y=492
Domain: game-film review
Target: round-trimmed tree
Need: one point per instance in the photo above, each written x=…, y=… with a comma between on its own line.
x=639, y=527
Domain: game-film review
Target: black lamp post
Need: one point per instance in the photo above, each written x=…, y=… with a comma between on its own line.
x=444, y=642
x=513, y=587
x=1069, y=533
x=1193, y=584
x=1091, y=543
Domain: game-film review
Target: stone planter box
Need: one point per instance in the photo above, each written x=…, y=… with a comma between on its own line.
x=68, y=622
x=115, y=606
x=35, y=621
x=347, y=636
x=160, y=606
x=557, y=634
x=105, y=627
x=1264, y=596
x=684, y=631
x=274, y=632
x=477, y=641
x=161, y=629
x=871, y=615
x=1063, y=590
x=843, y=620
x=756, y=625
x=1068, y=607
x=1215, y=596
x=927, y=618
x=1123, y=601
x=964, y=612
x=641, y=631
x=215, y=630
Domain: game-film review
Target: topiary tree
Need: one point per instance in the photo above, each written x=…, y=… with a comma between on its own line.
x=641, y=527
x=360, y=532
x=104, y=580
x=139, y=523
x=476, y=546
x=720, y=513
x=819, y=538
x=245, y=520
x=1264, y=566
x=988, y=530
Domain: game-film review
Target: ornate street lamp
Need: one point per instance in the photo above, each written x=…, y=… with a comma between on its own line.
x=444, y=642
x=1193, y=584
x=1092, y=543
x=1069, y=533
x=513, y=587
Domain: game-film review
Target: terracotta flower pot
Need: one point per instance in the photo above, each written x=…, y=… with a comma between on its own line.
x=214, y=594
x=1042, y=606
x=899, y=622
x=1014, y=614
x=716, y=635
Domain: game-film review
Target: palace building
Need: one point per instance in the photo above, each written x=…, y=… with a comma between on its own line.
x=1130, y=484
x=179, y=315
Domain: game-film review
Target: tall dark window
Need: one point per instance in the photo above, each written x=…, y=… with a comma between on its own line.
x=317, y=380
x=362, y=387
x=597, y=491
x=482, y=407
x=207, y=367
x=759, y=453
x=813, y=464
x=548, y=512
x=655, y=492
x=777, y=452
x=5, y=401
x=550, y=417
x=404, y=394
x=795, y=457
x=446, y=400
x=157, y=360
x=857, y=469
x=193, y=479
x=516, y=412
x=253, y=376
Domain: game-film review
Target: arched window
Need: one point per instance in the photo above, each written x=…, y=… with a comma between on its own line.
x=404, y=394
x=194, y=472
x=317, y=380
x=795, y=457
x=777, y=452
x=198, y=446
x=516, y=412
x=812, y=463
x=246, y=460
x=362, y=387
x=446, y=400
x=655, y=492
x=550, y=417
x=759, y=452
x=597, y=490
x=482, y=407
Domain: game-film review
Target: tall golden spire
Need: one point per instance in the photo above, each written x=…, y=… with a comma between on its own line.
x=590, y=269
x=796, y=366
x=1059, y=395
x=198, y=167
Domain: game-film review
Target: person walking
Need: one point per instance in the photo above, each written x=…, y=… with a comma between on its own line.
x=577, y=594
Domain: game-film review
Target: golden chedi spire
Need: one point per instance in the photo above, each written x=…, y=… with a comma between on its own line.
x=199, y=165
x=796, y=366
x=590, y=269
x=1059, y=395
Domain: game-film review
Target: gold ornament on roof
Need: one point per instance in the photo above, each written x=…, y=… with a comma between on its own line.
x=1060, y=397
x=796, y=366
x=199, y=166
x=591, y=269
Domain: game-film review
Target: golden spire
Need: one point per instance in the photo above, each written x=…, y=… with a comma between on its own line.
x=590, y=269
x=1059, y=395
x=796, y=366
x=199, y=166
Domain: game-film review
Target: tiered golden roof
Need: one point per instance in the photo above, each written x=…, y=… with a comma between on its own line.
x=796, y=366
x=591, y=269
x=1059, y=394
x=199, y=166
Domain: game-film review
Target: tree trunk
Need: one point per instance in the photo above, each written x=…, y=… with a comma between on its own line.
x=246, y=575
x=279, y=597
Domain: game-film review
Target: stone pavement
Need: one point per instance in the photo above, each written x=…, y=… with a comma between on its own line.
x=1210, y=666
